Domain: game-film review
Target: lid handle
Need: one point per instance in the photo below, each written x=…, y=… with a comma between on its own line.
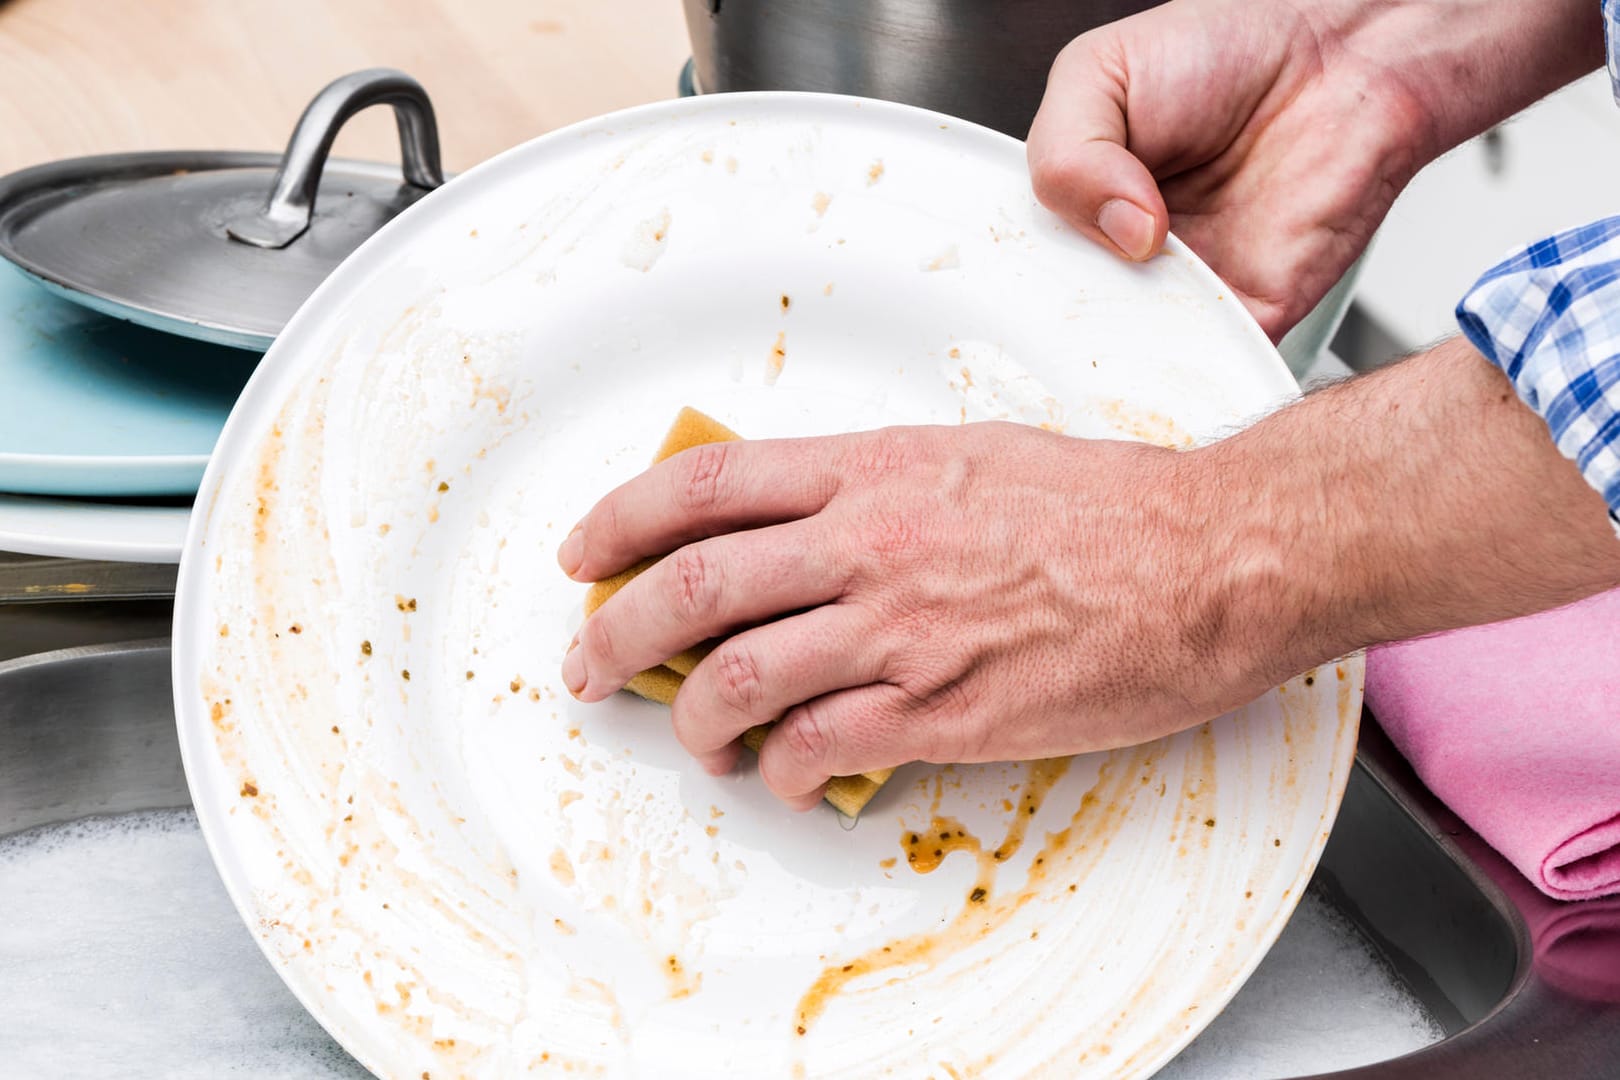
x=287, y=212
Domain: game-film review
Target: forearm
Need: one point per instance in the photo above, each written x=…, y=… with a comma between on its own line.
x=1418, y=499
x=1463, y=65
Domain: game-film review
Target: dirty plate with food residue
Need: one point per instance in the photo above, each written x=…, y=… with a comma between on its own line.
x=463, y=872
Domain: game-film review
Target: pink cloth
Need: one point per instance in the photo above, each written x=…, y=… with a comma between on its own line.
x=1516, y=726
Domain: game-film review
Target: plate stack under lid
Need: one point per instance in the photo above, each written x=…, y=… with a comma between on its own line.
x=149, y=284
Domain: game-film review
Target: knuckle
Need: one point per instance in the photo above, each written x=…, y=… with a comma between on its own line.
x=596, y=638
x=951, y=699
x=808, y=736
x=954, y=733
x=891, y=533
x=1049, y=178
x=938, y=707
x=697, y=593
x=607, y=511
x=917, y=668
x=1058, y=174
x=880, y=453
x=1075, y=54
x=602, y=528
x=688, y=726
x=703, y=471
x=737, y=678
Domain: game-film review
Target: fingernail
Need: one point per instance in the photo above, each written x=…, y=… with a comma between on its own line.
x=572, y=552
x=1128, y=226
x=573, y=670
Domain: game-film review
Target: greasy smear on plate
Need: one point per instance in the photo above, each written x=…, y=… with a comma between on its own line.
x=948, y=259
x=1145, y=425
x=356, y=877
x=982, y=910
x=1218, y=987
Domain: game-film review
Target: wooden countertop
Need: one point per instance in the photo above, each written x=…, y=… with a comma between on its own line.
x=98, y=76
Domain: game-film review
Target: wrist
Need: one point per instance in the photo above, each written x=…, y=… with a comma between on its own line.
x=1325, y=535
x=1446, y=74
x=1267, y=606
x=1249, y=618
x=1421, y=498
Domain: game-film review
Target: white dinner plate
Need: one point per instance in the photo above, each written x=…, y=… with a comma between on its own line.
x=92, y=529
x=462, y=871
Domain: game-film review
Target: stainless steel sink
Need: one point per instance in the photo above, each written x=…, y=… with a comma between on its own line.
x=1489, y=955
x=89, y=730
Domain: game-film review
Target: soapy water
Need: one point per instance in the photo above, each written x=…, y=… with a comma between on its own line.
x=1320, y=1001
x=121, y=955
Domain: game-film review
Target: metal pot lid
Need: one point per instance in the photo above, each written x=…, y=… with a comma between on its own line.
x=219, y=245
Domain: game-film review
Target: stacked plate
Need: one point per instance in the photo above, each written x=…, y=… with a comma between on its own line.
x=108, y=428
x=149, y=286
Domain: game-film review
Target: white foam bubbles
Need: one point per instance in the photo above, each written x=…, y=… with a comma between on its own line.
x=120, y=955
x=1322, y=1000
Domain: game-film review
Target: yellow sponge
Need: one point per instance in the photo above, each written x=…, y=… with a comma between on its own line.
x=848, y=794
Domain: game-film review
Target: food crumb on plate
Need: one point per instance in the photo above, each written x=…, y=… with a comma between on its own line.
x=777, y=359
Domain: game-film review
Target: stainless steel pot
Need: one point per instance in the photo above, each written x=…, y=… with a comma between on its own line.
x=981, y=60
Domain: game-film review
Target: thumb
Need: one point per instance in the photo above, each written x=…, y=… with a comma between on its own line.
x=1078, y=163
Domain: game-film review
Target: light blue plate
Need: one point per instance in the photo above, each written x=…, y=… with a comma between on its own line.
x=91, y=405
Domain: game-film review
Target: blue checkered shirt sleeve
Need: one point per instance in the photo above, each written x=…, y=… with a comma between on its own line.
x=1549, y=317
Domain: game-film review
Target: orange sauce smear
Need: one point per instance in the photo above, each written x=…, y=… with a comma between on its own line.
x=982, y=913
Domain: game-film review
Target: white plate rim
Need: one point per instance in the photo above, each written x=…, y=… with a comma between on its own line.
x=76, y=529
